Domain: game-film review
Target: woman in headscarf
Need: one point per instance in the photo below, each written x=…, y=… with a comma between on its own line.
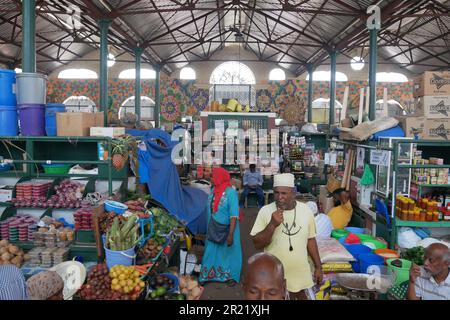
x=222, y=260
x=46, y=285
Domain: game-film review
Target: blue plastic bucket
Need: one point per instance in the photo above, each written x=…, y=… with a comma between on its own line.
x=8, y=121
x=369, y=259
x=50, y=117
x=8, y=88
x=125, y=258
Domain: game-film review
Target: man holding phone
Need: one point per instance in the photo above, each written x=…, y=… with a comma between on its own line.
x=287, y=230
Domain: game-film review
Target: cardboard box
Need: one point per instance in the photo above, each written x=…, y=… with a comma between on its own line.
x=433, y=107
x=107, y=132
x=413, y=126
x=432, y=83
x=77, y=124
x=326, y=202
x=437, y=129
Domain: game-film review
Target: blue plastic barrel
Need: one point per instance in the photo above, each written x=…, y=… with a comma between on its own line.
x=369, y=259
x=50, y=117
x=124, y=258
x=8, y=88
x=8, y=121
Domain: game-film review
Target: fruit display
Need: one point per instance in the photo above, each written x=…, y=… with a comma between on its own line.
x=162, y=294
x=126, y=280
x=190, y=288
x=161, y=283
x=150, y=250
x=98, y=286
x=11, y=254
x=137, y=207
x=123, y=235
x=164, y=222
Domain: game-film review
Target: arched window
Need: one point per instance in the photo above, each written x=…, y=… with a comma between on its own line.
x=357, y=63
x=394, y=108
x=277, y=74
x=147, y=108
x=77, y=74
x=391, y=77
x=187, y=73
x=80, y=104
x=232, y=72
x=326, y=76
x=131, y=74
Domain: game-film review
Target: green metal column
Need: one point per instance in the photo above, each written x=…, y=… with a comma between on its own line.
x=373, y=73
x=137, y=84
x=157, y=97
x=29, y=36
x=310, y=91
x=332, y=87
x=104, y=26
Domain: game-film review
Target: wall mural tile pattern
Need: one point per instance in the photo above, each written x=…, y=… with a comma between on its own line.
x=179, y=97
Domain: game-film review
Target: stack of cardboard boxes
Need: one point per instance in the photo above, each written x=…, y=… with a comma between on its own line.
x=431, y=120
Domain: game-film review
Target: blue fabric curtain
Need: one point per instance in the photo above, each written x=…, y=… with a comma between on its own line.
x=157, y=170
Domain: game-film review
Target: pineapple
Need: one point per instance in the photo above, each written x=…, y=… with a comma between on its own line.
x=120, y=149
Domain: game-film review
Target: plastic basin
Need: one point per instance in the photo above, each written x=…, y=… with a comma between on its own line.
x=374, y=244
x=56, y=168
x=369, y=259
x=387, y=254
x=355, y=230
x=339, y=233
x=114, y=206
x=364, y=237
x=401, y=274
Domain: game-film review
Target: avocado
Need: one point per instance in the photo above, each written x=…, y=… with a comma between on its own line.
x=181, y=297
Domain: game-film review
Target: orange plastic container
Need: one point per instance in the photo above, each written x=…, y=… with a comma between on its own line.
x=387, y=254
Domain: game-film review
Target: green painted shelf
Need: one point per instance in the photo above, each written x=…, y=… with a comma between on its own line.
x=422, y=224
x=427, y=166
x=434, y=185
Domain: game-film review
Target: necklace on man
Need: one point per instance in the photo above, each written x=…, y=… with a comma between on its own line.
x=288, y=229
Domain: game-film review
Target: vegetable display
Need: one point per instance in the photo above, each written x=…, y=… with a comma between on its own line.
x=190, y=288
x=164, y=222
x=415, y=255
x=150, y=250
x=123, y=235
x=98, y=286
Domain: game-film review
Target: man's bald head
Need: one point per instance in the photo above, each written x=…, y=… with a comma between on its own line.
x=437, y=258
x=264, y=278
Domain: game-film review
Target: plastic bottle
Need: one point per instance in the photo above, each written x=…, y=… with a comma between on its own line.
x=101, y=151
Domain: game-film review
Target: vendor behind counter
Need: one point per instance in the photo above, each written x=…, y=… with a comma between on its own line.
x=341, y=214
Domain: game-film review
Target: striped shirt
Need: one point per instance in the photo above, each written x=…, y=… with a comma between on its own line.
x=429, y=289
x=12, y=283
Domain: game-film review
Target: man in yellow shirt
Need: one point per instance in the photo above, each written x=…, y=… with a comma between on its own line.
x=287, y=230
x=341, y=214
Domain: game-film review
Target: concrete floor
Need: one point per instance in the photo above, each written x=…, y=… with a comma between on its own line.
x=219, y=291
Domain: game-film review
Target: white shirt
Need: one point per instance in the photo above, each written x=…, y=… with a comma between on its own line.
x=429, y=289
x=324, y=226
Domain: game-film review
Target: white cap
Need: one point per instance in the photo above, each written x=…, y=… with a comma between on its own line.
x=284, y=180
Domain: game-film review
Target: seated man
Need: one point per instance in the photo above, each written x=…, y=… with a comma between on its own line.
x=323, y=222
x=432, y=281
x=253, y=181
x=264, y=278
x=342, y=213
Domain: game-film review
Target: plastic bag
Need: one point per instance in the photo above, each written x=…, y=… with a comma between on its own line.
x=330, y=250
x=324, y=227
x=407, y=238
x=368, y=178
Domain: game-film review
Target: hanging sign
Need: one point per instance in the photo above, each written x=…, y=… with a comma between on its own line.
x=380, y=157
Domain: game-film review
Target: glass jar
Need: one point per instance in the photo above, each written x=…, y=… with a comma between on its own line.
x=436, y=216
x=430, y=206
x=411, y=204
x=424, y=203
x=417, y=216
x=429, y=216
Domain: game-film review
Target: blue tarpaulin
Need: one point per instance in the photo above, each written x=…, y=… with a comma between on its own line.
x=157, y=170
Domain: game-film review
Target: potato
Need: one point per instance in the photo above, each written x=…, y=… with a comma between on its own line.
x=183, y=283
x=13, y=249
x=7, y=256
x=3, y=250
x=4, y=243
x=17, y=261
x=21, y=253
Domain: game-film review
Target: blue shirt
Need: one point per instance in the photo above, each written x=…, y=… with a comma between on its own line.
x=253, y=178
x=12, y=283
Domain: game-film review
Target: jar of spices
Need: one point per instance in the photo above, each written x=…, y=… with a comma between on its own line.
x=424, y=203
x=417, y=216
x=429, y=216
x=404, y=215
x=436, y=216
x=430, y=206
x=411, y=204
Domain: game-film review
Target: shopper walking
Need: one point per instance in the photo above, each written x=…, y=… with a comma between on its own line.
x=286, y=229
x=222, y=260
